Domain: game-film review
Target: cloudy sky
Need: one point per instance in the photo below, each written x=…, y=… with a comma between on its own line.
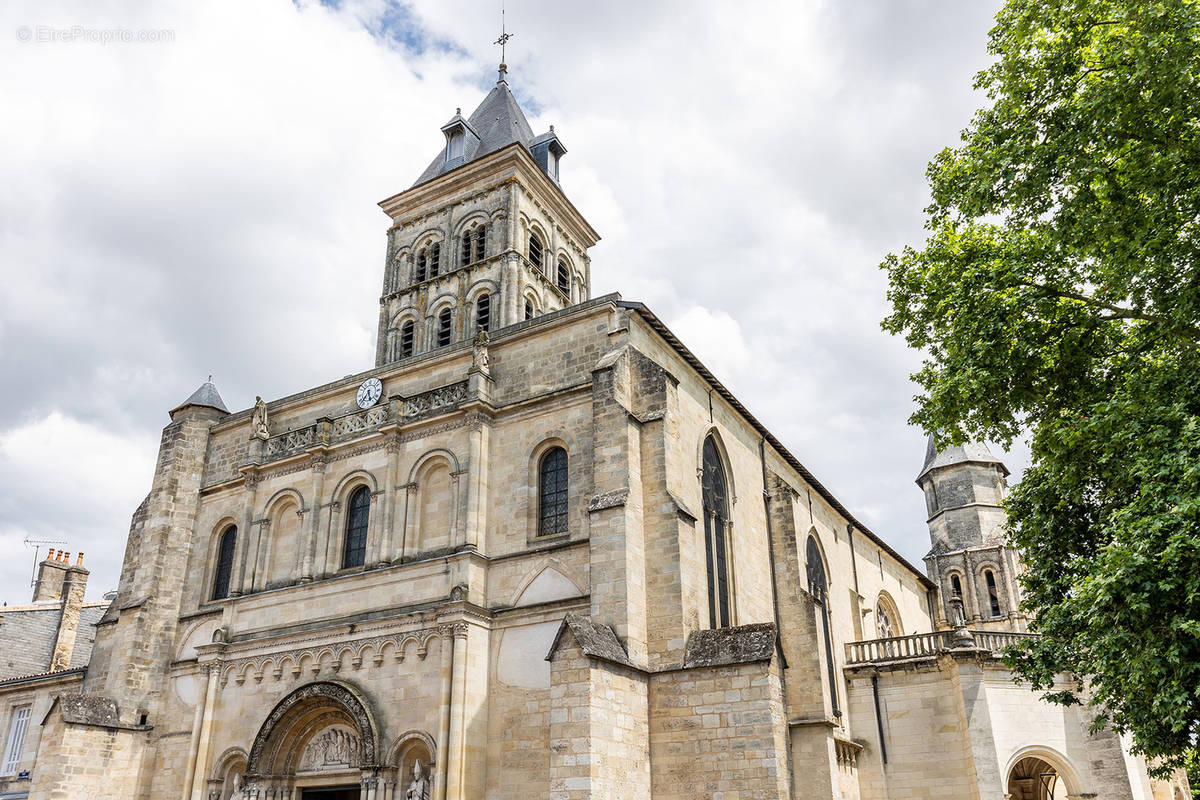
x=202, y=199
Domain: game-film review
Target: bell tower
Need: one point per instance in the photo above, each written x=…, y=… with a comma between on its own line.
x=964, y=486
x=486, y=238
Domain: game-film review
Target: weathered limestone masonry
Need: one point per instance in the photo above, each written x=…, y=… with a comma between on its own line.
x=105, y=732
x=537, y=551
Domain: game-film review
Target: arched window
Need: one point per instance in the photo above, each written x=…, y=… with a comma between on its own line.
x=357, y=517
x=422, y=269
x=528, y=308
x=818, y=586
x=552, y=492
x=473, y=245
x=564, y=277
x=408, y=333
x=464, y=256
x=955, y=586
x=483, y=312
x=887, y=618
x=535, y=250
x=715, y=495
x=445, y=328
x=480, y=243
x=435, y=259
x=224, y=563
x=989, y=578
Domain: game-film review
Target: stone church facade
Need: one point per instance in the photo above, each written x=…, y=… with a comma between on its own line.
x=537, y=551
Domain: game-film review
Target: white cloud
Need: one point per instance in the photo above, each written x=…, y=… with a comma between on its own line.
x=207, y=204
x=71, y=482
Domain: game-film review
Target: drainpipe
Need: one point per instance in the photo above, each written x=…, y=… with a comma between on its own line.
x=766, y=494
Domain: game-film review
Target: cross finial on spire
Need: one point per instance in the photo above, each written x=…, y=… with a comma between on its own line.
x=502, y=41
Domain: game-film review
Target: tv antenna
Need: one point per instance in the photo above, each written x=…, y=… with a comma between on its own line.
x=36, y=544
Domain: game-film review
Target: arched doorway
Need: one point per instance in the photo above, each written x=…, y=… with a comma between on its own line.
x=318, y=743
x=1034, y=778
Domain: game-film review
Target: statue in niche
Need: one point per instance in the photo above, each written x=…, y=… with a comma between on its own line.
x=418, y=787
x=258, y=423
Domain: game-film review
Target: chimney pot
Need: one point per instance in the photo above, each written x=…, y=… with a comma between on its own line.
x=79, y=563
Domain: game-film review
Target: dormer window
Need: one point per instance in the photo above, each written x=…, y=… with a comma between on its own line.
x=457, y=131
x=456, y=147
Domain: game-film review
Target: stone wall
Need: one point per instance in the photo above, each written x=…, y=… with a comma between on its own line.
x=718, y=732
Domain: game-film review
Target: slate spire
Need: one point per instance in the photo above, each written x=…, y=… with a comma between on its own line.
x=206, y=396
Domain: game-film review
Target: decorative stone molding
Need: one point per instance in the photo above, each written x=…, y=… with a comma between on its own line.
x=314, y=658
x=613, y=499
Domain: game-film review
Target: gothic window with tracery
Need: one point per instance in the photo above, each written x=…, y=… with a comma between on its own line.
x=715, y=496
x=408, y=334
x=887, y=619
x=535, y=250
x=552, y=492
x=818, y=587
x=445, y=328
x=564, y=277
x=989, y=578
x=357, y=517
x=483, y=312
x=224, y=563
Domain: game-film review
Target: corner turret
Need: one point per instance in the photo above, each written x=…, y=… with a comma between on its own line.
x=964, y=488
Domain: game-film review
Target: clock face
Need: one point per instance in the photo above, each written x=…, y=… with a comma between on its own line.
x=370, y=392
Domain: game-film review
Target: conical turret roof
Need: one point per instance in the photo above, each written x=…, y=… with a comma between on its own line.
x=498, y=122
x=206, y=396
x=967, y=453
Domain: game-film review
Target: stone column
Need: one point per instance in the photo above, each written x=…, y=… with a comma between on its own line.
x=261, y=546
x=408, y=530
x=477, y=482
x=458, y=531
x=383, y=555
x=444, y=699
x=456, y=745
x=193, y=787
x=332, y=540
x=317, y=491
x=240, y=584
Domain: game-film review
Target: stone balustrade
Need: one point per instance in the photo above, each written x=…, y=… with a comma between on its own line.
x=925, y=645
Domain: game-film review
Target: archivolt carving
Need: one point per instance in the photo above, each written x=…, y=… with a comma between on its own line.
x=353, y=655
x=323, y=693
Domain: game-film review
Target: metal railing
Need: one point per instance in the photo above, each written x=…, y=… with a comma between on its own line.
x=925, y=645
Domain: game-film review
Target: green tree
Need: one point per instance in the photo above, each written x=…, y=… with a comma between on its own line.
x=1058, y=293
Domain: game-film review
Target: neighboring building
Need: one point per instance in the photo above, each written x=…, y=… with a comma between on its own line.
x=44, y=648
x=539, y=551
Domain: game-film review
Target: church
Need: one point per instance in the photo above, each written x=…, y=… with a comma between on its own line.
x=536, y=551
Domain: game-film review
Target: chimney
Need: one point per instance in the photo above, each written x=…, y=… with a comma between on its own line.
x=73, y=586
x=51, y=574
